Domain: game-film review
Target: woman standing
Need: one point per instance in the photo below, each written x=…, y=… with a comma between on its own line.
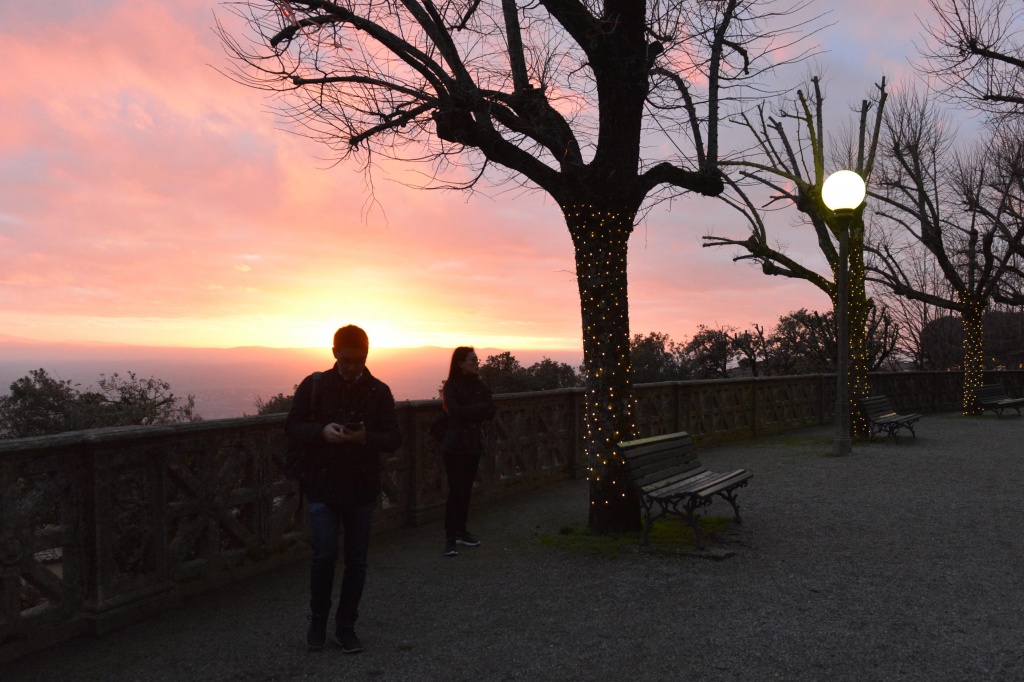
x=468, y=404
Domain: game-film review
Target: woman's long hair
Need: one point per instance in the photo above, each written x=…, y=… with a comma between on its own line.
x=458, y=357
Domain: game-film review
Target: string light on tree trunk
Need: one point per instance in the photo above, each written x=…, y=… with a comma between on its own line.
x=601, y=237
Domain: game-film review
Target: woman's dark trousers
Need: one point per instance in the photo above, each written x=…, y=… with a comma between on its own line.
x=460, y=469
x=325, y=522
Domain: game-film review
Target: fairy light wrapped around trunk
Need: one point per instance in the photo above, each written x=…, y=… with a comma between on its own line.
x=601, y=241
x=973, y=314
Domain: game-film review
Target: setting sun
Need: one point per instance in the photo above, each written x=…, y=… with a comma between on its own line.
x=147, y=199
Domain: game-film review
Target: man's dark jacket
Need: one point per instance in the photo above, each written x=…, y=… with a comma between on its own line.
x=343, y=472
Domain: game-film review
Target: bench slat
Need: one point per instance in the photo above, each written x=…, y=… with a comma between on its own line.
x=679, y=436
x=995, y=394
x=678, y=473
x=667, y=488
x=704, y=485
x=654, y=453
x=734, y=479
x=640, y=448
x=660, y=462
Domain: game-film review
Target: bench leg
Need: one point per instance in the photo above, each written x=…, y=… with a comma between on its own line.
x=730, y=497
x=687, y=513
x=648, y=524
x=698, y=534
x=649, y=518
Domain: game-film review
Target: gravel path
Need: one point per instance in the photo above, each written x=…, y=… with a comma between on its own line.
x=900, y=562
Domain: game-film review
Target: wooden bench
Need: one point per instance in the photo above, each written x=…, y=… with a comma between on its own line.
x=882, y=417
x=993, y=397
x=671, y=480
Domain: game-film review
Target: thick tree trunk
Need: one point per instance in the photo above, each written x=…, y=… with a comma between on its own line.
x=973, y=314
x=601, y=240
x=858, y=313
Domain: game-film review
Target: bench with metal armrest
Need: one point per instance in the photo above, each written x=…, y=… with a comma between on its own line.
x=994, y=397
x=672, y=481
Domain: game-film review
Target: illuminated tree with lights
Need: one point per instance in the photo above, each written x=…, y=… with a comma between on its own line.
x=962, y=207
x=794, y=175
x=605, y=105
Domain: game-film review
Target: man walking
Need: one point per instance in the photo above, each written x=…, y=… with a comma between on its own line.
x=343, y=419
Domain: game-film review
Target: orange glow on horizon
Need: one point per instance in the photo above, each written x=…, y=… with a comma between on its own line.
x=266, y=331
x=148, y=200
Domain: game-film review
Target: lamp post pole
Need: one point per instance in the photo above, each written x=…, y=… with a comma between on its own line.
x=841, y=439
x=843, y=192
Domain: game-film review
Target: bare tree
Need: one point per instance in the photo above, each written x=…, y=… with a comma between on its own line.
x=792, y=167
x=750, y=347
x=555, y=94
x=976, y=53
x=913, y=316
x=998, y=196
x=953, y=204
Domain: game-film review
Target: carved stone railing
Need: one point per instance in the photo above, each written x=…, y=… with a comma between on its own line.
x=102, y=528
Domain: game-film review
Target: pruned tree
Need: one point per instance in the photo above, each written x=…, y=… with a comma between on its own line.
x=802, y=342
x=976, y=53
x=656, y=357
x=503, y=373
x=555, y=94
x=912, y=316
x=550, y=374
x=883, y=338
x=952, y=203
x=750, y=347
x=710, y=351
x=792, y=166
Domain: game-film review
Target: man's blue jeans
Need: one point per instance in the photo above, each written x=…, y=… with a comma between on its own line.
x=325, y=522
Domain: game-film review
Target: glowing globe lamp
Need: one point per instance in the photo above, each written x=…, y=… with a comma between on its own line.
x=843, y=190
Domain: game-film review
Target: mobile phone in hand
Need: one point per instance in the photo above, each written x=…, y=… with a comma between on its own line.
x=353, y=426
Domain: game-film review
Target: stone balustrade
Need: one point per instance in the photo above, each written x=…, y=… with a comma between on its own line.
x=102, y=528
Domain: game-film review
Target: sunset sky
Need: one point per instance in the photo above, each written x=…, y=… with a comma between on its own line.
x=147, y=199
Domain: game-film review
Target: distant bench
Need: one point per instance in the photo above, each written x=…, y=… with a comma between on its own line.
x=671, y=480
x=994, y=397
x=882, y=417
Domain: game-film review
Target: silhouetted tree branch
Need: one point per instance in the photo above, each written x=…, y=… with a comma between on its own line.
x=977, y=55
x=552, y=94
x=956, y=206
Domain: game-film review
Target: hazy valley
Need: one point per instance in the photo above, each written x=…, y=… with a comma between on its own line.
x=227, y=381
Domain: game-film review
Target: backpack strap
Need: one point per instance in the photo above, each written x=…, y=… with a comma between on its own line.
x=314, y=393
x=295, y=455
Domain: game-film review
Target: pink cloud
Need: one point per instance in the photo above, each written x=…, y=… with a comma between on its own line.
x=142, y=188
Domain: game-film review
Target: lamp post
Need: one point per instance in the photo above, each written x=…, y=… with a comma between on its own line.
x=843, y=192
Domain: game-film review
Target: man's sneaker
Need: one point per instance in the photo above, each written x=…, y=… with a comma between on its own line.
x=449, y=548
x=468, y=539
x=346, y=638
x=316, y=637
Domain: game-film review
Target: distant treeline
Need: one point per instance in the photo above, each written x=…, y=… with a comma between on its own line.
x=802, y=342
x=39, y=404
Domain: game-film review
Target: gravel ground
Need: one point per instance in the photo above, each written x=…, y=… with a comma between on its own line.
x=900, y=562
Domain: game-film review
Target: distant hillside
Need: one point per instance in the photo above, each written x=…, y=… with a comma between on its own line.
x=227, y=381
